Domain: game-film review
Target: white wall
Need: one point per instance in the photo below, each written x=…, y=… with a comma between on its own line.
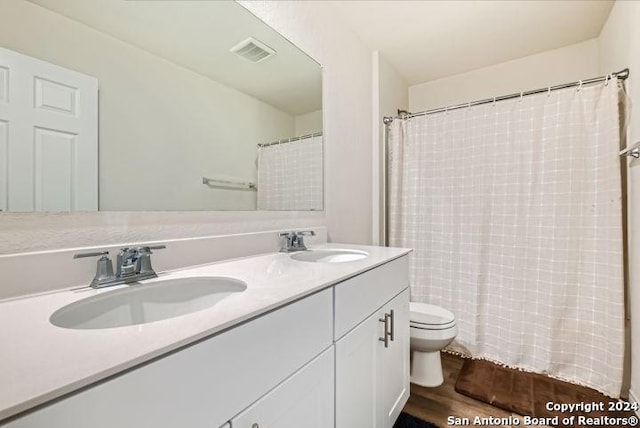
x=571, y=63
x=347, y=108
x=308, y=123
x=620, y=48
x=162, y=127
x=390, y=93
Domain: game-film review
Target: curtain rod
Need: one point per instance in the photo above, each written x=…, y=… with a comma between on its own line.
x=290, y=140
x=403, y=114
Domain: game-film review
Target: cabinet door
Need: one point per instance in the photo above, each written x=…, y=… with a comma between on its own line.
x=356, y=375
x=304, y=399
x=392, y=364
x=372, y=381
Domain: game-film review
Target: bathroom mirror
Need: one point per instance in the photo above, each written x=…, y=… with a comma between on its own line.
x=199, y=106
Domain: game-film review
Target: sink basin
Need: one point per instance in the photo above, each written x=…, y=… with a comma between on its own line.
x=330, y=256
x=143, y=303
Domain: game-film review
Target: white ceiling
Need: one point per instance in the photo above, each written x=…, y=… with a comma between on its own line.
x=198, y=35
x=427, y=40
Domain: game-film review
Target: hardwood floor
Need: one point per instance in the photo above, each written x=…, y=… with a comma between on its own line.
x=436, y=405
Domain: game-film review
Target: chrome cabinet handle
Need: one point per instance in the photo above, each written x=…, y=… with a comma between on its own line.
x=392, y=330
x=385, y=339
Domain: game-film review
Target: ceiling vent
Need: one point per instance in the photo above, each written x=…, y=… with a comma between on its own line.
x=253, y=50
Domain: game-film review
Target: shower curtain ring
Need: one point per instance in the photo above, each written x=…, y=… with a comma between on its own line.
x=494, y=101
x=580, y=85
x=521, y=95
x=549, y=91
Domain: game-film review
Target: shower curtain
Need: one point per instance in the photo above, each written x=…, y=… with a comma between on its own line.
x=514, y=212
x=290, y=175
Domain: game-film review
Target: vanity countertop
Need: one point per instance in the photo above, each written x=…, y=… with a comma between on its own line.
x=40, y=362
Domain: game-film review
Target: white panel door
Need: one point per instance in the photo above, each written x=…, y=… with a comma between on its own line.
x=48, y=136
x=303, y=400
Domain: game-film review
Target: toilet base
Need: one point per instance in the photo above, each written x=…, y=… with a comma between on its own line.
x=426, y=368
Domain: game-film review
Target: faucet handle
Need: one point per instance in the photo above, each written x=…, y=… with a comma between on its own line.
x=297, y=233
x=143, y=263
x=96, y=254
x=147, y=248
x=104, y=269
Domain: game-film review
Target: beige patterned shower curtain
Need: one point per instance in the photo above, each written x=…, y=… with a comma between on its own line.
x=514, y=211
x=290, y=176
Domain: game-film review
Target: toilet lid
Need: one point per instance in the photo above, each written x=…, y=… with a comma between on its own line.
x=423, y=313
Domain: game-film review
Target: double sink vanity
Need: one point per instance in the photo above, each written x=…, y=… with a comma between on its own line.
x=230, y=332
x=316, y=338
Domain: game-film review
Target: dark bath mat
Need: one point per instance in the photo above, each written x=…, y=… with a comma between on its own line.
x=527, y=393
x=405, y=420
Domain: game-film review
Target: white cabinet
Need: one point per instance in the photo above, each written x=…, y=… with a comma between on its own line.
x=318, y=362
x=203, y=385
x=305, y=399
x=372, y=368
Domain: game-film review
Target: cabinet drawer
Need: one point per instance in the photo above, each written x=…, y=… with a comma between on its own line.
x=203, y=385
x=359, y=297
x=305, y=399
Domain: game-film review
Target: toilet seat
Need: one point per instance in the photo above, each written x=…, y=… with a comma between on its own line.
x=432, y=326
x=430, y=317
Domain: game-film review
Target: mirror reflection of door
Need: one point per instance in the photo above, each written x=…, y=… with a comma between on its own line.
x=188, y=92
x=48, y=136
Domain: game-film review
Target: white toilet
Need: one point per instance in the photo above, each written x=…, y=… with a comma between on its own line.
x=432, y=328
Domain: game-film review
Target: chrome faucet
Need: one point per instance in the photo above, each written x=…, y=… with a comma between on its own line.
x=133, y=264
x=126, y=262
x=294, y=241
